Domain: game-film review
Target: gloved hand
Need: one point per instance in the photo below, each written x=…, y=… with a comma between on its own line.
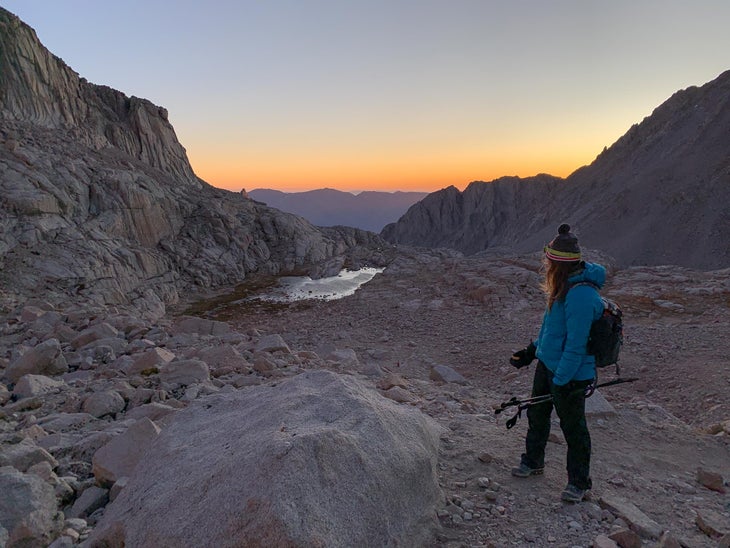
x=572, y=389
x=523, y=357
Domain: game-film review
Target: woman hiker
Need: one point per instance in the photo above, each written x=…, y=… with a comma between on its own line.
x=564, y=368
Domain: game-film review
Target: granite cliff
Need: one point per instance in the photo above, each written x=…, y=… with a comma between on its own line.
x=659, y=195
x=99, y=202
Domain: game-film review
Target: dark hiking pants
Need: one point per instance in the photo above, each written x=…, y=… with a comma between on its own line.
x=569, y=403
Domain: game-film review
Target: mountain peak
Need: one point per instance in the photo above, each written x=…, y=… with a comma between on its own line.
x=38, y=88
x=634, y=202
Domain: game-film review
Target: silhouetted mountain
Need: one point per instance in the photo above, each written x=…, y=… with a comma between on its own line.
x=659, y=195
x=368, y=210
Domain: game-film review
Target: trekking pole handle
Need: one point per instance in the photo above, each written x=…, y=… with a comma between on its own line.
x=511, y=422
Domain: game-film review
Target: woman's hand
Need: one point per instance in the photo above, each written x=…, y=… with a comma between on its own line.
x=523, y=357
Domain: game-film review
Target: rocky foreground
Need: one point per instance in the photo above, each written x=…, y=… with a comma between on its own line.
x=361, y=422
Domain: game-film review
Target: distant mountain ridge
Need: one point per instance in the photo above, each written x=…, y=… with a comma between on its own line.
x=659, y=195
x=369, y=210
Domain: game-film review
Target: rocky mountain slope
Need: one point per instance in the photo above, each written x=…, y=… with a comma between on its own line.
x=99, y=202
x=369, y=210
x=659, y=195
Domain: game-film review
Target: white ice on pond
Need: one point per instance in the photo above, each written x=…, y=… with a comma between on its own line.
x=296, y=288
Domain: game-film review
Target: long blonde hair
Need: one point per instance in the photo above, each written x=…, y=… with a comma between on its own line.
x=555, y=284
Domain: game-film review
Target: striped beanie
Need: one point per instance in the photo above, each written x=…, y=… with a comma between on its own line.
x=564, y=247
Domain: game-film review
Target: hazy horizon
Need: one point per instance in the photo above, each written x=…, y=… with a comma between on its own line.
x=385, y=96
x=353, y=192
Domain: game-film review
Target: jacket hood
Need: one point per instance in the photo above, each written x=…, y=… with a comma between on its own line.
x=592, y=272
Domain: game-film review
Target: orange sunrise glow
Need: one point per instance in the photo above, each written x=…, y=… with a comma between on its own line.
x=392, y=96
x=385, y=170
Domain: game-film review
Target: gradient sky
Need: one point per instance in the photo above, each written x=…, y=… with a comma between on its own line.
x=389, y=94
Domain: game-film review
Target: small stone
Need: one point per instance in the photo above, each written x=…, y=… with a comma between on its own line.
x=200, y=326
x=626, y=538
x=264, y=363
x=100, y=404
x=63, y=541
x=45, y=358
x=29, y=386
x=711, y=480
x=391, y=380
x=344, y=356
x=118, y=458
x=73, y=535
x=467, y=504
x=490, y=495
x=24, y=455
x=5, y=394
x=602, y=541
x=90, y=500
x=640, y=522
x=446, y=374
x=184, y=372
x=712, y=524
x=93, y=333
x=120, y=484
x=668, y=541
x=272, y=343
x=149, y=362
x=400, y=395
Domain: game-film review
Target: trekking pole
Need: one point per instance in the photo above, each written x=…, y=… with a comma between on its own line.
x=536, y=400
x=521, y=405
x=592, y=387
x=513, y=401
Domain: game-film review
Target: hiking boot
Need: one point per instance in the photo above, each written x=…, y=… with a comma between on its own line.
x=571, y=493
x=524, y=471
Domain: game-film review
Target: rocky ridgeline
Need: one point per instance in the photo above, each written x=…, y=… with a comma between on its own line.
x=657, y=196
x=100, y=204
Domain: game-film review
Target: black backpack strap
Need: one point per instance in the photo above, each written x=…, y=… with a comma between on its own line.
x=585, y=282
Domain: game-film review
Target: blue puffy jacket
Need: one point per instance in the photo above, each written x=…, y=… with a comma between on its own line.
x=561, y=344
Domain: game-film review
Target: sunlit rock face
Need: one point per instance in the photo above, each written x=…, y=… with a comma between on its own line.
x=99, y=201
x=659, y=195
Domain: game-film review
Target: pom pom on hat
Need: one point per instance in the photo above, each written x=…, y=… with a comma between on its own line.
x=564, y=247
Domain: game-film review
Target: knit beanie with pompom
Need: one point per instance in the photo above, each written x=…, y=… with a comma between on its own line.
x=564, y=247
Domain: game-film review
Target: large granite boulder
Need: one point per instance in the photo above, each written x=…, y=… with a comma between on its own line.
x=317, y=460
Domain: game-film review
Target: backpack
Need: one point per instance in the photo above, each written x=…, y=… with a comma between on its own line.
x=607, y=333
